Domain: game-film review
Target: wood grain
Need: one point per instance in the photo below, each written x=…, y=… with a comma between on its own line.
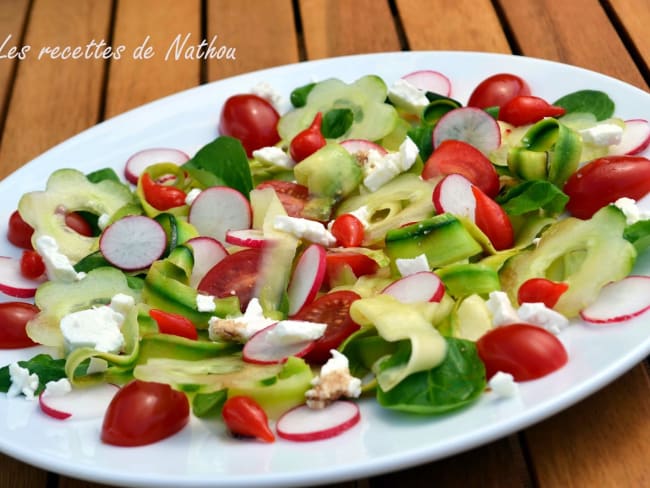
x=341, y=27
x=263, y=34
x=468, y=25
x=12, y=22
x=634, y=17
x=135, y=79
x=15, y=474
x=54, y=99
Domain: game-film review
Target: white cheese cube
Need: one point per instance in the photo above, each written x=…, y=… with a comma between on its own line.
x=408, y=266
x=309, y=230
x=631, y=210
x=22, y=381
x=363, y=215
x=503, y=385
x=274, y=155
x=602, y=134
x=122, y=303
x=265, y=90
x=97, y=328
x=240, y=328
x=333, y=382
x=408, y=96
x=408, y=152
x=205, y=303
x=501, y=310
x=292, y=331
x=542, y=316
x=57, y=388
x=57, y=266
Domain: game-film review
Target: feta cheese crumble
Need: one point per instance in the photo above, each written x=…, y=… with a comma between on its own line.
x=404, y=94
x=205, y=303
x=602, y=134
x=240, y=328
x=264, y=90
x=501, y=310
x=333, y=382
x=309, y=230
x=22, y=381
x=503, y=384
x=503, y=313
x=57, y=388
x=98, y=328
x=409, y=266
x=103, y=221
x=288, y=332
x=379, y=168
x=275, y=156
x=57, y=266
x=631, y=210
x=363, y=215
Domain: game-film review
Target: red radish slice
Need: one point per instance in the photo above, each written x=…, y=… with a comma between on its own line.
x=219, y=209
x=13, y=283
x=423, y=286
x=429, y=81
x=246, y=238
x=133, y=243
x=619, y=301
x=307, y=278
x=78, y=404
x=636, y=138
x=454, y=194
x=137, y=163
x=360, y=147
x=260, y=349
x=469, y=124
x=207, y=252
x=304, y=424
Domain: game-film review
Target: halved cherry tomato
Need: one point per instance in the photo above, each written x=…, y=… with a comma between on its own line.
x=244, y=417
x=31, y=264
x=332, y=309
x=161, y=197
x=293, y=196
x=13, y=321
x=144, y=412
x=541, y=290
x=338, y=262
x=174, y=324
x=526, y=109
x=308, y=141
x=525, y=351
x=605, y=180
x=78, y=224
x=252, y=120
x=348, y=230
x=19, y=232
x=492, y=220
x=497, y=90
x=453, y=156
x=236, y=275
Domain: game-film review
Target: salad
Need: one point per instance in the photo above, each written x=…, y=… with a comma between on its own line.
x=374, y=240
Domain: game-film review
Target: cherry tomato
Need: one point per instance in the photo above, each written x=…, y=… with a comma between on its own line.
x=348, y=230
x=541, y=290
x=144, y=412
x=605, y=180
x=19, y=232
x=161, y=197
x=453, y=156
x=244, y=417
x=13, y=320
x=359, y=264
x=252, y=120
x=525, y=351
x=497, y=90
x=236, y=274
x=174, y=324
x=78, y=224
x=526, y=109
x=332, y=309
x=293, y=196
x=31, y=264
x=308, y=141
x=493, y=221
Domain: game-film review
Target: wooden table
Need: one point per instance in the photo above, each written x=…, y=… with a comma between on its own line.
x=602, y=441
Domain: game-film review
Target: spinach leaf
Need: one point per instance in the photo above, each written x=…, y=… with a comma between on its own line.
x=208, y=405
x=421, y=135
x=299, y=95
x=45, y=366
x=454, y=384
x=533, y=195
x=222, y=162
x=639, y=235
x=590, y=101
x=336, y=122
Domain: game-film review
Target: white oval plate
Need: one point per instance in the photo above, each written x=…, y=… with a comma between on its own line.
x=202, y=455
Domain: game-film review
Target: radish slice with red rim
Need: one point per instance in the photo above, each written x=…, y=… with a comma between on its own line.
x=636, y=138
x=133, y=242
x=307, y=278
x=304, y=424
x=424, y=286
x=471, y=125
x=246, y=238
x=207, y=252
x=265, y=347
x=138, y=162
x=360, y=147
x=454, y=194
x=429, y=81
x=78, y=404
x=219, y=209
x=13, y=283
x=619, y=301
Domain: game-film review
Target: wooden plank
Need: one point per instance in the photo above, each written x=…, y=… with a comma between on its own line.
x=469, y=25
x=551, y=29
x=15, y=474
x=634, y=16
x=602, y=441
x=135, y=78
x=341, y=27
x=12, y=22
x=263, y=35
x=55, y=98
